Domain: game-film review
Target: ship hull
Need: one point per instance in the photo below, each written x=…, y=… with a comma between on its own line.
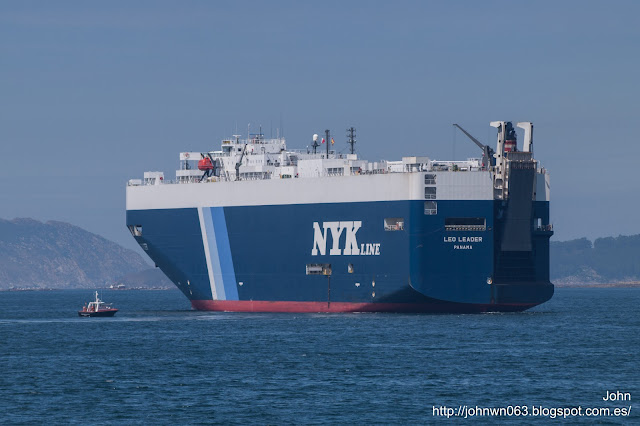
x=258, y=258
x=345, y=307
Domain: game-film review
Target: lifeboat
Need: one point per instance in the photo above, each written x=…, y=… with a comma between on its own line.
x=205, y=164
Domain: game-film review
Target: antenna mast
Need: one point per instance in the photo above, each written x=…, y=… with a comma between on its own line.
x=326, y=132
x=351, y=135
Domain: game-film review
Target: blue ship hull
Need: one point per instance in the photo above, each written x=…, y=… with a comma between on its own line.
x=257, y=258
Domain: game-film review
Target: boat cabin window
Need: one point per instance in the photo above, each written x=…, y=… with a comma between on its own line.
x=318, y=269
x=136, y=230
x=430, y=207
x=465, y=224
x=394, y=224
x=429, y=179
x=430, y=192
x=335, y=171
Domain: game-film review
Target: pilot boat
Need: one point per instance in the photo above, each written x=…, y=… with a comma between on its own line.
x=97, y=308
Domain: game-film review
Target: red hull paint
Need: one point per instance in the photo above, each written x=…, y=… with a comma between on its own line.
x=310, y=307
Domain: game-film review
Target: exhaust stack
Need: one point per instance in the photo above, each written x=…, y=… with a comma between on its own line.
x=528, y=135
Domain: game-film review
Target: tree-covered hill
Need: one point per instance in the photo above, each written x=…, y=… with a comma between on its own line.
x=606, y=260
x=59, y=255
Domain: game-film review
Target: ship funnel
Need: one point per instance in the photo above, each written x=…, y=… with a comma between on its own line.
x=510, y=138
x=500, y=145
x=528, y=135
x=500, y=126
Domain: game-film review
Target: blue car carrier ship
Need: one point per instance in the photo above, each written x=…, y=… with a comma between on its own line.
x=256, y=227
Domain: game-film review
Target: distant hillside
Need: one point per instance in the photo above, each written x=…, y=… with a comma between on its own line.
x=606, y=260
x=59, y=255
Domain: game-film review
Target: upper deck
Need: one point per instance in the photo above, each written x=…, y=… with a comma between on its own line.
x=258, y=158
x=267, y=159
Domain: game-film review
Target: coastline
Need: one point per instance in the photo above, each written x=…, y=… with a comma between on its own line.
x=622, y=284
x=92, y=289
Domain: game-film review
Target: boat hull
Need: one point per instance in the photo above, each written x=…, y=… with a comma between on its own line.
x=102, y=313
x=345, y=307
x=257, y=258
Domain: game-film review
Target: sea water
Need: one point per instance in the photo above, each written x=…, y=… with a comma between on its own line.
x=159, y=362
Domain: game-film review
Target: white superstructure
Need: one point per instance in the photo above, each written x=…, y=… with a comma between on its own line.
x=262, y=171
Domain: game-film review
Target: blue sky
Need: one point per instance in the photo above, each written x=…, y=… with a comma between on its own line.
x=94, y=93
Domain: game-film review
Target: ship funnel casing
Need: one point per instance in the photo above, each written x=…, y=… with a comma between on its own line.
x=510, y=138
x=528, y=135
x=500, y=143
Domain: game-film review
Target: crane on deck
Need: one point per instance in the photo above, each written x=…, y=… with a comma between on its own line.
x=487, y=152
x=244, y=151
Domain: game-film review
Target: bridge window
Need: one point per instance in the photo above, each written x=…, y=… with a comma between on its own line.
x=430, y=192
x=465, y=224
x=394, y=224
x=429, y=179
x=430, y=207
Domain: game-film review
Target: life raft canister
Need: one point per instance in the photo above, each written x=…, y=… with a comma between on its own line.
x=205, y=164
